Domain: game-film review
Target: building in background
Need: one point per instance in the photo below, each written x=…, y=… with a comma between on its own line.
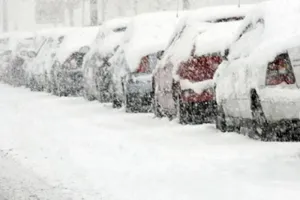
x=23, y=14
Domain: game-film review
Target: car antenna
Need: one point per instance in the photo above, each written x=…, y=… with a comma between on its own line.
x=177, y=8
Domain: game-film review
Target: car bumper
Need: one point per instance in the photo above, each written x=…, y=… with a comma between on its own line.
x=140, y=88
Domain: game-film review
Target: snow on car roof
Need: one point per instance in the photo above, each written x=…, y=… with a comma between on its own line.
x=213, y=13
x=75, y=40
x=281, y=29
x=15, y=38
x=194, y=22
x=216, y=38
x=111, y=41
x=108, y=37
x=278, y=32
x=110, y=34
x=147, y=33
x=110, y=26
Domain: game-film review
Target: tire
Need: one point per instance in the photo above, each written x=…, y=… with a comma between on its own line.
x=116, y=103
x=155, y=105
x=183, y=115
x=130, y=106
x=156, y=108
x=259, y=128
x=221, y=119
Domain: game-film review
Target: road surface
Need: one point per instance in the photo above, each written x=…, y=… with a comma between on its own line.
x=69, y=148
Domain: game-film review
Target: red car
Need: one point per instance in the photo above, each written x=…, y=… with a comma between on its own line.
x=183, y=78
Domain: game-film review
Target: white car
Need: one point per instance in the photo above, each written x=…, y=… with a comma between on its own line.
x=97, y=66
x=257, y=87
x=182, y=82
x=145, y=37
x=39, y=69
x=67, y=75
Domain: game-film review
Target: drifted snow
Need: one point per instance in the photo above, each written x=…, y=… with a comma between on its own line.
x=69, y=148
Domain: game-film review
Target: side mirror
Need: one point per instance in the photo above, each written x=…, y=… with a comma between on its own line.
x=31, y=54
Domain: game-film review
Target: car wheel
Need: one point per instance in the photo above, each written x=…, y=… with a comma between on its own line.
x=129, y=104
x=156, y=106
x=183, y=114
x=259, y=127
x=221, y=119
x=116, y=103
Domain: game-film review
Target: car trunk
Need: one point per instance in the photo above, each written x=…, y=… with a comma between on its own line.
x=195, y=70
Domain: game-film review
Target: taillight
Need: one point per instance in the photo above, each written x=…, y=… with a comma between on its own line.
x=280, y=71
x=142, y=69
x=144, y=65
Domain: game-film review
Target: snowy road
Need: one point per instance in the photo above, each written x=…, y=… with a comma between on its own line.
x=68, y=148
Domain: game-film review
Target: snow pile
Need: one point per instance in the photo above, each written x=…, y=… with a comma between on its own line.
x=146, y=34
x=73, y=42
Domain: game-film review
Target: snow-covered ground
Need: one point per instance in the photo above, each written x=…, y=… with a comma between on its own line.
x=69, y=148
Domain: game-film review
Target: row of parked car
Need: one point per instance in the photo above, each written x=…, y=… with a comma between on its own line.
x=235, y=66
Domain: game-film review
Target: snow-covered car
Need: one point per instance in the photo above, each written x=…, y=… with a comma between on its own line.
x=23, y=49
x=39, y=69
x=5, y=57
x=146, y=35
x=183, y=76
x=257, y=86
x=67, y=76
x=97, y=66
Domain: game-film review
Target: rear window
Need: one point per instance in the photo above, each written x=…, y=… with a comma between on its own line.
x=148, y=63
x=280, y=71
x=200, y=68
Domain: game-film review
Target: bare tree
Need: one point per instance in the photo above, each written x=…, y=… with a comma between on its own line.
x=103, y=9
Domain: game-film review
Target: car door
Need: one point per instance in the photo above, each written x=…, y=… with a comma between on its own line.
x=247, y=41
